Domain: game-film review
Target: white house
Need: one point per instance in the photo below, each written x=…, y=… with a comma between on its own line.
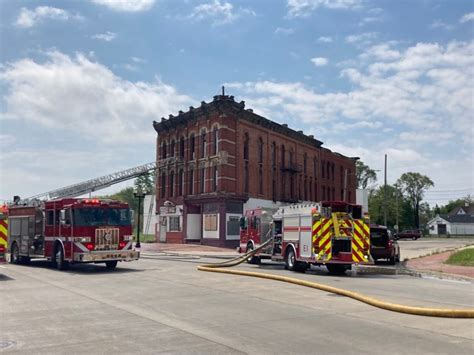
x=460, y=221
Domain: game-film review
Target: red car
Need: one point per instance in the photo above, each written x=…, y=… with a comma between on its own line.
x=410, y=234
x=383, y=245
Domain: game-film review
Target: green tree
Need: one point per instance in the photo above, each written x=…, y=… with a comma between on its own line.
x=398, y=207
x=145, y=183
x=413, y=186
x=364, y=174
x=455, y=203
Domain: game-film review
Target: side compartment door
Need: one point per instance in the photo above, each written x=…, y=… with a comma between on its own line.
x=305, y=237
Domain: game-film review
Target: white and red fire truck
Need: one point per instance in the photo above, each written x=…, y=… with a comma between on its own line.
x=3, y=233
x=71, y=230
x=331, y=233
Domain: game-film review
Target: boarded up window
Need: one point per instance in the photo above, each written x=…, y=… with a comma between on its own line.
x=233, y=227
x=210, y=222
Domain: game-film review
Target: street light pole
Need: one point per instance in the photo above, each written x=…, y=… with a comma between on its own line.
x=138, y=194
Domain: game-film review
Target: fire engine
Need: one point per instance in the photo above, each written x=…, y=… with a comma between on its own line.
x=71, y=230
x=331, y=233
x=3, y=233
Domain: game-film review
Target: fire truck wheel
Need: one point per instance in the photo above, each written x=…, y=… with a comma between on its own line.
x=290, y=260
x=253, y=259
x=15, y=254
x=111, y=264
x=61, y=264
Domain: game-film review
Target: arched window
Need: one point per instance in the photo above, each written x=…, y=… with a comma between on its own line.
x=191, y=182
x=260, y=150
x=315, y=167
x=305, y=162
x=323, y=170
x=172, y=184
x=282, y=155
x=215, y=141
x=203, y=143
x=328, y=170
x=180, y=182
x=246, y=146
x=181, y=147
x=172, y=148
x=163, y=185
x=202, y=180
x=214, y=179
x=291, y=157
x=163, y=150
x=192, y=147
x=332, y=171
x=273, y=154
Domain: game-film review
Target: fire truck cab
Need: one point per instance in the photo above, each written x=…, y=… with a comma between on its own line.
x=331, y=233
x=71, y=230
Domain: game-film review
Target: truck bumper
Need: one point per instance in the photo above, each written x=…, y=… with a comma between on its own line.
x=106, y=255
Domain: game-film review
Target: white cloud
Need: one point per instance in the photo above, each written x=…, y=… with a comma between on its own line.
x=107, y=36
x=284, y=31
x=365, y=37
x=303, y=8
x=440, y=24
x=382, y=52
x=467, y=17
x=220, y=13
x=76, y=94
x=325, y=39
x=126, y=5
x=28, y=18
x=319, y=61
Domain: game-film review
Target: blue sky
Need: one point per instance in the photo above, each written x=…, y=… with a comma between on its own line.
x=82, y=81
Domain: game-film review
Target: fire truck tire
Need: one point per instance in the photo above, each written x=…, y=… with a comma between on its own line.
x=336, y=269
x=292, y=264
x=59, y=261
x=15, y=254
x=112, y=264
x=253, y=259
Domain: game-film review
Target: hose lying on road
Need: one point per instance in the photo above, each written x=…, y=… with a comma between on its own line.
x=432, y=312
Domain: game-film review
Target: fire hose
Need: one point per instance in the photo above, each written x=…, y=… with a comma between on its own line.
x=420, y=311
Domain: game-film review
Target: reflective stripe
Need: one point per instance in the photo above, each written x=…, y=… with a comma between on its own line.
x=82, y=247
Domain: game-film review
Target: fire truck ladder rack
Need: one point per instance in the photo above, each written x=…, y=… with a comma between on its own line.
x=93, y=184
x=419, y=311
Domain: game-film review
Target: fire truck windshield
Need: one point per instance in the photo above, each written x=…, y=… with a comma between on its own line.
x=101, y=216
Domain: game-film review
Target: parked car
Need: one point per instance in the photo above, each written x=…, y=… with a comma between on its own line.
x=383, y=245
x=410, y=234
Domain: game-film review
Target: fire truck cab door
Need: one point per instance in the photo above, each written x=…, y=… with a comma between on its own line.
x=65, y=231
x=306, y=242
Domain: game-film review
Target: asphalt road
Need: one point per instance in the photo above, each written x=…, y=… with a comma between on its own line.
x=164, y=305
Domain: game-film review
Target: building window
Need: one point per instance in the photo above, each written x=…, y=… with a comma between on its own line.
x=292, y=187
x=172, y=184
x=260, y=150
x=342, y=194
x=215, y=178
x=180, y=182
x=246, y=176
x=311, y=190
x=215, y=140
x=305, y=162
x=333, y=193
x=315, y=191
x=202, y=181
x=315, y=167
x=260, y=180
x=323, y=164
x=282, y=156
x=203, y=143
x=273, y=188
x=246, y=146
x=323, y=188
x=191, y=182
x=283, y=186
x=291, y=157
x=305, y=189
x=175, y=225
x=332, y=171
x=233, y=226
x=210, y=222
x=192, y=147
x=172, y=148
x=181, y=147
x=273, y=154
x=163, y=150
x=163, y=185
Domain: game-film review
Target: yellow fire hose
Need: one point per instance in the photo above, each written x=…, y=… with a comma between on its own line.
x=431, y=312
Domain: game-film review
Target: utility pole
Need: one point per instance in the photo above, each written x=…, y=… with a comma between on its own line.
x=385, y=194
x=396, y=199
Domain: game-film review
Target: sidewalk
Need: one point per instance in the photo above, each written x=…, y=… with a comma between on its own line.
x=188, y=250
x=435, y=264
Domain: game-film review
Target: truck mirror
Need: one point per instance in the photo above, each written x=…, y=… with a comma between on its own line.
x=242, y=222
x=132, y=214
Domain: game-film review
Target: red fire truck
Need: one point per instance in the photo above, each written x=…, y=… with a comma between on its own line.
x=71, y=230
x=331, y=233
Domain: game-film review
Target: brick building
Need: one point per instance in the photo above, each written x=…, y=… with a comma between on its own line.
x=219, y=159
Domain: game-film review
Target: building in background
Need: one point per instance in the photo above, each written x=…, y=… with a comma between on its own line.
x=459, y=221
x=217, y=160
